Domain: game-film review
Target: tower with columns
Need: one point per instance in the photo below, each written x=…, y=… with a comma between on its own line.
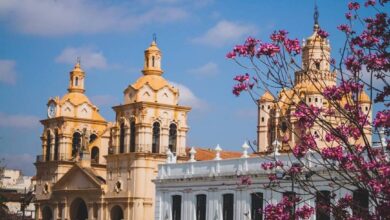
x=277, y=125
x=148, y=123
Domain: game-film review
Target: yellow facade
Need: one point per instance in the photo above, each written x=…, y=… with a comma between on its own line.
x=94, y=169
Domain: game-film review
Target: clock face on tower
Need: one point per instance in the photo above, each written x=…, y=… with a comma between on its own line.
x=51, y=111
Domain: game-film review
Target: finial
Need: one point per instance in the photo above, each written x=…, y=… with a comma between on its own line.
x=78, y=61
x=192, y=154
x=218, y=150
x=155, y=37
x=316, y=13
x=245, y=148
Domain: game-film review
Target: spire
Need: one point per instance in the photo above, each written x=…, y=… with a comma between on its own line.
x=152, y=64
x=316, y=16
x=76, y=81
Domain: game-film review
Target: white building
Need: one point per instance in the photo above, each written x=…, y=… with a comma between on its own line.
x=13, y=185
x=213, y=190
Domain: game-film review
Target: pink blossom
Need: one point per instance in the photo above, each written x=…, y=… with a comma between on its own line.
x=322, y=33
x=292, y=46
x=279, y=36
x=382, y=119
x=344, y=28
x=369, y=3
x=246, y=180
x=268, y=50
x=332, y=153
x=353, y=6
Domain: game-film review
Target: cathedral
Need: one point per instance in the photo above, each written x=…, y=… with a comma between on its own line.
x=94, y=169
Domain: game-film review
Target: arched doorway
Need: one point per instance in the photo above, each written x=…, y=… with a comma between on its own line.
x=78, y=210
x=116, y=213
x=46, y=213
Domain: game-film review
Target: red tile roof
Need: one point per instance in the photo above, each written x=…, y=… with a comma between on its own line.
x=209, y=154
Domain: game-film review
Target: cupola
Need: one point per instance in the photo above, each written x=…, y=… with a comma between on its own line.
x=76, y=81
x=152, y=64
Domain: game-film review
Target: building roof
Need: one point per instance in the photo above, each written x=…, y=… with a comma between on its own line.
x=209, y=154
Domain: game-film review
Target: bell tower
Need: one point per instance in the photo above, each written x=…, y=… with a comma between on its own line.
x=76, y=80
x=152, y=63
x=149, y=124
x=316, y=59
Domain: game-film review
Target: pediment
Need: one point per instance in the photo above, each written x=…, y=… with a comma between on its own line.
x=77, y=179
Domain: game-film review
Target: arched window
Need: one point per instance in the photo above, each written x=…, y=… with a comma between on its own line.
x=48, y=145
x=56, y=145
x=153, y=61
x=76, y=81
x=156, y=137
x=76, y=143
x=92, y=138
x=257, y=205
x=95, y=155
x=122, y=138
x=172, y=137
x=132, y=136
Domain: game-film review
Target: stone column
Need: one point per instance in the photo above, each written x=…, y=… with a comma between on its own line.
x=127, y=139
x=37, y=211
x=90, y=211
x=164, y=139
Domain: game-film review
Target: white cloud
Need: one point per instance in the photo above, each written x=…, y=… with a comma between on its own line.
x=7, y=71
x=90, y=57
x=208, y=69
x=18, y=121
x=225, y=32
x=53, y=18
x=22, y=162
x=188, y=98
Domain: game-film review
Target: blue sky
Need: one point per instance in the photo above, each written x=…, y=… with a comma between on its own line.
x=40, y=40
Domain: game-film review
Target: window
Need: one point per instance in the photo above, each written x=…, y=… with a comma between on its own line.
x=256, y=206
x=176, y=207
x=122, y=138
x=283, y=126
x=132, y=136
x=309, y=99
x=201, y=207
x=48, y=145
x=92, y=138
x=317, y=65
x=56, y=145
x=323, y=205
x=316, y=99
x=95, y=155
x=76, y=143
x=156, y=137
x=152, y=61
x=291, y=196
x=228, y=207
x=360, y=203
x=76, y=82
x=262, y=119
x=262, y=106
x=172, y=137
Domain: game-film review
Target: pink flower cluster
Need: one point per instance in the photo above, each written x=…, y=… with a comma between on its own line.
x=353, y=6
x=243, y=84
x=271, y=165
x=382, y=119
x=332, y=153
x=322, y=33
